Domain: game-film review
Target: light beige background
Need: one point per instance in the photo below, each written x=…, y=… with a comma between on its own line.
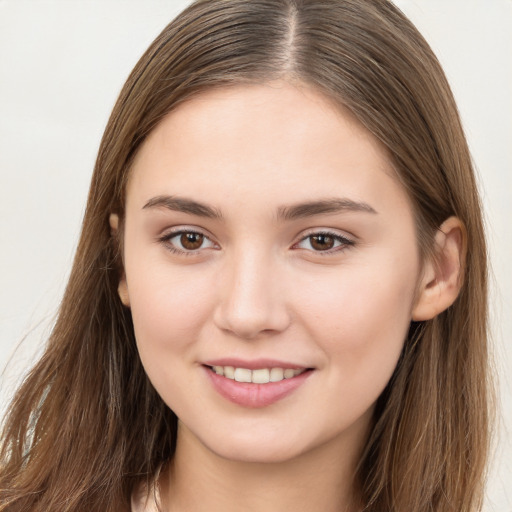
x=62, y=64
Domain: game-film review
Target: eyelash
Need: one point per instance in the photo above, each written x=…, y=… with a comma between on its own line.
x=344, y=242
x=166, y=240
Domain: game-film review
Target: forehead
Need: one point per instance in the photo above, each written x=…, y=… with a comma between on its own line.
x=269, y=141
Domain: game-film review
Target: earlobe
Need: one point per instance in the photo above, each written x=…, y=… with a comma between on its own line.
x=113, y=220
x=442, y=276
x=122, y=289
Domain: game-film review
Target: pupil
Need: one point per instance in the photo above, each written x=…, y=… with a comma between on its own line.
x=191, y=241
x=322, y=242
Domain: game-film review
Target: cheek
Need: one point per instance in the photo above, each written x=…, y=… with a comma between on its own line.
x=169, y=307
x=169, y=310
x=360, y=318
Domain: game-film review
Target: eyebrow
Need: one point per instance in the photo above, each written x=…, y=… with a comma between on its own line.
x=323, y=206
x=286, y=213
x=182, y=204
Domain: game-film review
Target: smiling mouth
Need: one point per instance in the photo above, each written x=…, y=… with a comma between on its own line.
x=257, y=376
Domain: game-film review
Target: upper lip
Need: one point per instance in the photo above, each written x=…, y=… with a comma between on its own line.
x=253, y=364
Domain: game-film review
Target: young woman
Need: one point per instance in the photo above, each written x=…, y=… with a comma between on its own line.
x=278, y=301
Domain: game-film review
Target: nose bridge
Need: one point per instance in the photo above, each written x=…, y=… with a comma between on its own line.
x=251, y=301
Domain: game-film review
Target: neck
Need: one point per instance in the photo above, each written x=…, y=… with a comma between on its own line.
x=198, y=480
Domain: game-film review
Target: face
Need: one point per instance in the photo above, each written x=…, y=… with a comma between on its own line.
x=271, y=266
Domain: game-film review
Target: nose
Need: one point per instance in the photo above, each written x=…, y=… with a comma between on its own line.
x=252, y=298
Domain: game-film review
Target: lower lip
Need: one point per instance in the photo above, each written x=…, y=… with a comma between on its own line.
x=252, y=395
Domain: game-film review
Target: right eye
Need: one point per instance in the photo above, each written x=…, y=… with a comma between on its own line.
x=187, y=241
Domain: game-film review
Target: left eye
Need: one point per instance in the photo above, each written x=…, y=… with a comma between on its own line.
x=188, y=241
x=324, y=242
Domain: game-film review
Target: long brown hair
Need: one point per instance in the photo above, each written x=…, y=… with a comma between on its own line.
x=87, y=425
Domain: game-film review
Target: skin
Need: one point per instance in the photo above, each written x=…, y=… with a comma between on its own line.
x=257, y=287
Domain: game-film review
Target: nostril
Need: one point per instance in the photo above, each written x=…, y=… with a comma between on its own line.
x=252, y=323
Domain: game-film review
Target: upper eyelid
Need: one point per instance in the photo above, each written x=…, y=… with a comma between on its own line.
x=326, y=231
x=176, y=230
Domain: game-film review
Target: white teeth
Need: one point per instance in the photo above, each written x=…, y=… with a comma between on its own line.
x=259, y=376
x=243, y=375
x=276, y=374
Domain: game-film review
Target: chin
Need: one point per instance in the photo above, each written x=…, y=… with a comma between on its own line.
x=263, y=453
x=270, y=447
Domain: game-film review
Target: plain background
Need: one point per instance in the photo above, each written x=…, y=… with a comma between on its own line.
x=62, y=64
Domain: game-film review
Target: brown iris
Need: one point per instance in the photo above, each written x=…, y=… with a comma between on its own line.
x=191, y=241
x=322, y=242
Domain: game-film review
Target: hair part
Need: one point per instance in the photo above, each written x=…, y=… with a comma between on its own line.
x=87, y=425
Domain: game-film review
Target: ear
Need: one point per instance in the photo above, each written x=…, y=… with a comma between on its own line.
x=442, y=275
x=122, y=289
